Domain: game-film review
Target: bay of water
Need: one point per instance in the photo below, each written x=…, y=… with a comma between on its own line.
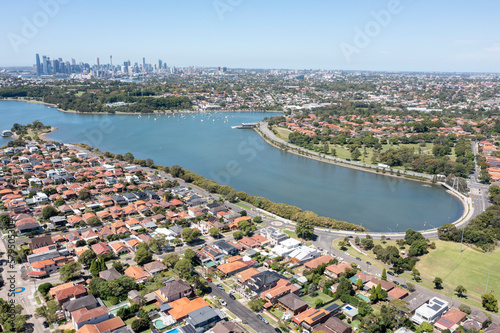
x=207, y=145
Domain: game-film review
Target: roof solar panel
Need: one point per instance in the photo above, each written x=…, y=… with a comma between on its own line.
x=438, y=302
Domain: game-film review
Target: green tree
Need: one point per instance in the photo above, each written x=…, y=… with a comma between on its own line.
x=418, y=248
x=412, y=236
x=425, y=327
x=184, y=267
x=142, y=255
x=94, y=221
x=304, y=229
x=94, y=270
x=355, y=154
x=460, y=290
x=256, y=304
x=384, y=275
x=214, y=232
x=87, y=257
x=344, y=287
x=490, y=303
x=190, y=255
x=84, y=194
x=142, y=324
x=257, y=219
x=416, y=274
x=238, y=235
x=171, y=259
x=44, y=288
x=359, y=284
x=5, y=221
x=190, y=234
x=438, y=283
x=70, y=271
x=119, y=267
x=48, y=212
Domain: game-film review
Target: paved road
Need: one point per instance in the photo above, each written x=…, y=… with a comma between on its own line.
x=245, y=314
x=25, y=298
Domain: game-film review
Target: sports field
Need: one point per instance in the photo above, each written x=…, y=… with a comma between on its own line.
x=469, y=268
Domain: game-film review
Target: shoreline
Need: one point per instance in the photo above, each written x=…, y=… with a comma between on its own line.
x=34, y=101
x=467, y=208
x=293, y=150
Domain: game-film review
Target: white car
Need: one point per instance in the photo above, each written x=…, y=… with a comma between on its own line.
x=223, y=302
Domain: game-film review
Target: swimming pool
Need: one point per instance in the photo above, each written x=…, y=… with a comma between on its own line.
x=175, y=330
x=348, y=308
x=114, y=311
x=159, y=324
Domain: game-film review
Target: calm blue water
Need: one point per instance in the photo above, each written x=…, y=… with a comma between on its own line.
x=206, y=144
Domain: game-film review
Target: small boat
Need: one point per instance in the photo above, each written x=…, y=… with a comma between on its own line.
x=7, y=134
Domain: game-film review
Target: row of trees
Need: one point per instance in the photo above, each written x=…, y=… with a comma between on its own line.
x=280, y=209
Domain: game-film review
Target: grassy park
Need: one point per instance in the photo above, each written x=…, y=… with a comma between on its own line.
x=468, y=268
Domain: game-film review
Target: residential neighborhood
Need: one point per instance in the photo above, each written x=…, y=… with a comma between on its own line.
x=114, y=248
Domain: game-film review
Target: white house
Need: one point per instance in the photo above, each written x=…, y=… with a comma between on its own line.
x=286, y=247
x=430, y=312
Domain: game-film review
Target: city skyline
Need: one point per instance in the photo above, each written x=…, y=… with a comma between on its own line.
x=388, y=36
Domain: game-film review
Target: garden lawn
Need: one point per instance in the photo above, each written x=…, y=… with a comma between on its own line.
x=320, y=295
x=469, y=268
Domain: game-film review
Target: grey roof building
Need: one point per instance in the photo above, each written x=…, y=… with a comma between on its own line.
x=109, y=274
x=89, y=302
x=203, y=319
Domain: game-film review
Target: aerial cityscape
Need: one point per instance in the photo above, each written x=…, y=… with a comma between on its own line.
x=250, y=167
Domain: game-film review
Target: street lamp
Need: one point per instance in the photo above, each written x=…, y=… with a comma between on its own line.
x=463, y=230
x=397, y=229
x=389, y=229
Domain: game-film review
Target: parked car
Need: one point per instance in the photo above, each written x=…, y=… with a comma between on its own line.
x=390, y=273
x=404, y=286
x=368, y=263
x=45, y=324
x=277, y=330
x=223, y=302
x=395, y=282
x=209, y=279
x=263, y=319
x=232, y=296
x=220, y=287
x=358, y=258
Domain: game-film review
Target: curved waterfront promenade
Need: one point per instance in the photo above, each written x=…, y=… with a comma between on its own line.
x=467, y=203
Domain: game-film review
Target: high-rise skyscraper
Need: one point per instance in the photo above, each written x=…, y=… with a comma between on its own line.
x=97, y=62
x=111, y=61
x=38, y=66
x=159, y=64
x=45, y=65
x=143, y=64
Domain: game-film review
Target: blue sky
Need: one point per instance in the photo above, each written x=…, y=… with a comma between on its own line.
x=417, y=35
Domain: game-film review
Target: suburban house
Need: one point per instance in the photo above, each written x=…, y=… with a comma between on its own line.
x=154, y=267
x=109, y=274
x=430, y=312
x=333, y=325
x=83, y=316
x=263, y=281
x=175, y=290
x=293, y=304
x=113, y=325
x=224, y=247
x=89, y=302
x=333, y=271
x=311, y=317
x=282, y=288
x=137, y=273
